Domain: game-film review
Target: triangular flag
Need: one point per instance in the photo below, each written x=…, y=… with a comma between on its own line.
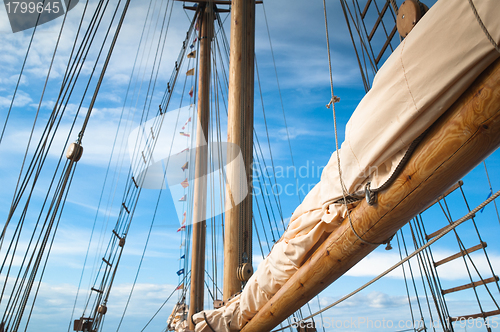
x=191, y=46
x=182, y=244
x=190, y=95
x=185, y=166
x=489, y=195
x=187, y=122
x=184, y=219
x=181, y=271
x=192, y=55
x=183, y=198
x=184, y=134
x=186, y=149
x=181, y=286
x=190, y=72
x=183, y=227
x=183, y=256
x=185, y=183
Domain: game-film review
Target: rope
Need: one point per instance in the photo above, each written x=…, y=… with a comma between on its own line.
x=481, y=24
x=206, y=321
x=445, y=231
x=334, y=99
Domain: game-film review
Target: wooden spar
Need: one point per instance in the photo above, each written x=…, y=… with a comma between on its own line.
x=465, y=135
x=200, y=180
x=238, y=219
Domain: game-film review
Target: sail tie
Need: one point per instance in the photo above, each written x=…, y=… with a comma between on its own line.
x=483, y=27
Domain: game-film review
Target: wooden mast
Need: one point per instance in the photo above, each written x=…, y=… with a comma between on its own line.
x=200, y=182
x=238, y=219
x=466, y=134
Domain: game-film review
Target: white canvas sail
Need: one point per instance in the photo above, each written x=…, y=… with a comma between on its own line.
x=430, y=69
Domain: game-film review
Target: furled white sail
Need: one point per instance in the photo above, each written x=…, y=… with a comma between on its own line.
x=429, y=70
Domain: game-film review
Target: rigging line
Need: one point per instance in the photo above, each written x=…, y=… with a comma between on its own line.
x=366, y=35
x=404, y=275
x=20, y=76
x=363, y=43
x=431, y=290
x=428, y=263
x=467, y=255
x=364, y=49
x=276, y=197
x=168, y=298
x=383, y=24
x=64, y=183
x=36, y=115
x=107, y=172
x=281, y=99
x=479, y=236
x=142, y=259
x=265, y=193
x=50, y=249
x=365, y=82
x=491, y=190
x=424, y=261
x=127, y=224
x=156, y=55
x=31, y=167
x=444, y=231
x=333, y=101
x=103, y=71
x=413, y=280
x=48, y=128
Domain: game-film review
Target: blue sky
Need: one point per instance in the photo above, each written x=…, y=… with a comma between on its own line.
x=299, y=46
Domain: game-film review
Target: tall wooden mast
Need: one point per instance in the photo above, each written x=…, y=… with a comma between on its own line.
x=200, y=182
x=238, y=220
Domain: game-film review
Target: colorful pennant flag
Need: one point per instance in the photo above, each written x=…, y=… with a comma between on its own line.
x=190, y=94
x=183, y=198
x=181, y=271
x=185, y=183
x=186, y=149
x=184, y=134
x=489, y=195
x=192, y=55
x=183, y=256
x=185, y=166
x=182, y=228
x=185, y=124
x=190, y=72
x=181, y=286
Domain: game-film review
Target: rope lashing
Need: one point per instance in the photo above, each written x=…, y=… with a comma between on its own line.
x=483, y=27
x=445, y=231
x=334, y=100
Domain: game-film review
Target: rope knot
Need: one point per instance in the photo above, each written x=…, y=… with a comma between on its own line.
x=334, y=100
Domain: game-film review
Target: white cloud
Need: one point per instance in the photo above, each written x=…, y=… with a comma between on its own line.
x=379, y=261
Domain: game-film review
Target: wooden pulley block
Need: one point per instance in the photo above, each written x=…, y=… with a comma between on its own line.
x=102, y=309
x=410, y=12
x=245, y=271
x=74, y=152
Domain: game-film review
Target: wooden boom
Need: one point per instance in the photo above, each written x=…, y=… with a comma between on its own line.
x=464, y=136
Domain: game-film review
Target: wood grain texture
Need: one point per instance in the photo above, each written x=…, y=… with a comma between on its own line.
x=464, y=136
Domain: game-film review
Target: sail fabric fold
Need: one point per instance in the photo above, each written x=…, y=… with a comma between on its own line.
x=441, y=57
